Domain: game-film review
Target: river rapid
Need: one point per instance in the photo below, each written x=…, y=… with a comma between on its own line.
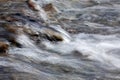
x=60, y=39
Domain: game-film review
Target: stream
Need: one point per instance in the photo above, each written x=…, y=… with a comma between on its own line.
x=60, y=39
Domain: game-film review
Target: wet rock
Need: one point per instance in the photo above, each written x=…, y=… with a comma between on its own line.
x=77, y=54
x=3, y=48
x=30, y=32
x=33, y=5
x=40, y=12
x=8, y=18
x=10, y=28
x=50, y=8
x=51, y=35
x=9, y=33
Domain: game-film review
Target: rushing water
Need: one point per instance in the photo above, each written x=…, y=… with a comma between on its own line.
x=89, y=46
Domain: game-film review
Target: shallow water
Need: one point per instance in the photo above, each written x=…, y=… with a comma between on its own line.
x=89, y=50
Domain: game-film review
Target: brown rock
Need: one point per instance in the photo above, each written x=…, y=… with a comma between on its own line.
x=3, y=48
x=11, y=32
x=33, y=5
x=52, y=35
x=10, y=19
x=50, y=7
x=9, y=28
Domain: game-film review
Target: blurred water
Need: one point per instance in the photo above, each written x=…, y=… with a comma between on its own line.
x=86, y=55
x=90, y=49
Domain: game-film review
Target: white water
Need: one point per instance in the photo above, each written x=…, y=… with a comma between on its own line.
x=102, y=50
x=97, y=47
x=84, y=54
